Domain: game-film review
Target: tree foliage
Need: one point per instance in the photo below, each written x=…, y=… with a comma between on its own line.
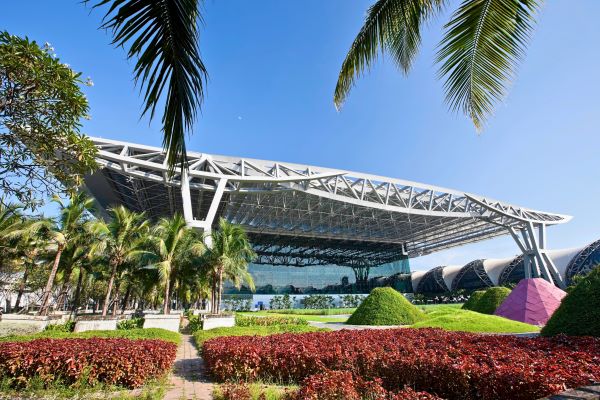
x=478, y=55
x=162, y=35
x=41, y=106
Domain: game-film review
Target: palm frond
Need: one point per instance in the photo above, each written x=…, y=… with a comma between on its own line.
x=392, y=25
x=484, y=42
x=163, y=36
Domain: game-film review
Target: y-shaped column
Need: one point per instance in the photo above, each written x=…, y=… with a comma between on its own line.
x=537, y=262
x=206, y=224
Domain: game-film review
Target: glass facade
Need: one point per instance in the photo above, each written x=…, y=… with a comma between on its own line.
x=270, y=279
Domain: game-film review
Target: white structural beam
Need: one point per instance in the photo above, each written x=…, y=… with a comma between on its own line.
x=275, y=198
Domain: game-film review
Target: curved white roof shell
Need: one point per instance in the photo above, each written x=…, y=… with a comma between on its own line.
x=449, y=273
x=494, y=267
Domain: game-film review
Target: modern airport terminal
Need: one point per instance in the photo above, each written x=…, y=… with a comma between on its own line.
x=323, y=230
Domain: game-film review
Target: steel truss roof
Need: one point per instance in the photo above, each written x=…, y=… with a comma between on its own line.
x=304, y=215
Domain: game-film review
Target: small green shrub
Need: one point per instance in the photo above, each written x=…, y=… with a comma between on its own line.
x=471, y=303
x=281, y=302
x=385, y=306
x=317, y=301
x=241, y=320
x=314, y=311
x=491, y=300
x=351, y=300
x=133, y=323
x=195, y=323
x=68, y=326
x=579, y=311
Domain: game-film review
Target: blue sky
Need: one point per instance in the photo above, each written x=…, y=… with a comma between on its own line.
x=273, y=66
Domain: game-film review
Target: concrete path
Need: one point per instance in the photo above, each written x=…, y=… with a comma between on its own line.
x=189, y=380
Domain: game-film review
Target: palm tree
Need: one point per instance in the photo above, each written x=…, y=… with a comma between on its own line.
x=11, y=220
x=173, y=242
x=123, y=240
x=163, y=36
x=229, y=257
x=75, y=257
x=71, y=223
x=482, y=45
x=32, y=239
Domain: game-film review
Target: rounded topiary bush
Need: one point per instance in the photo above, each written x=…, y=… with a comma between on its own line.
x=491, y=300
x=473, y=300
x=385, y=306
x=579, y=311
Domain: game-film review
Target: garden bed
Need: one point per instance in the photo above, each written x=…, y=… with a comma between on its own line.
x=452, y=365
x=120, y=362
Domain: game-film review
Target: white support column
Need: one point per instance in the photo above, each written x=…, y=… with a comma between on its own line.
x=186, y=198
x=536, y=261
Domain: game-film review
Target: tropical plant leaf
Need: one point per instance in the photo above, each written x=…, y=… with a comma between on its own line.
x=163, y=36
x=484, y=42
x=392, y=25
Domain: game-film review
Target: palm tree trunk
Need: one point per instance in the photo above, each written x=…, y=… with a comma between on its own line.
x=111, y=282
x=166, y=301
x=63, y=290
x=126, y=299
x=116, y=302
x=220, y=290
x=22, y=286
x=77, y=291
x=48, y=288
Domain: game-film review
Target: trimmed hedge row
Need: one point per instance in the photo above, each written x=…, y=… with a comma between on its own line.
x=148, y=333
x=122, y=362
x=242, y=320
x=452, y=365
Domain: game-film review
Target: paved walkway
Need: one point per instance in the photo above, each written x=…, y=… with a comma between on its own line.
x=188, y=379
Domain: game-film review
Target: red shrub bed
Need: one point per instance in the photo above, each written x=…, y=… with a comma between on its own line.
x=451, y=365
x=122, y=362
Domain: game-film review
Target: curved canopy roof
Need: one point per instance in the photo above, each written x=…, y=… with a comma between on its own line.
x=305, y=215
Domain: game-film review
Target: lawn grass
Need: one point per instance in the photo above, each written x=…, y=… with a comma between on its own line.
x=310, y=311
x=429, y=307
x=201, y=336
x=259, y=391
x=150, y=333
x=454, y=319
x=314, y=318
x=37, y=389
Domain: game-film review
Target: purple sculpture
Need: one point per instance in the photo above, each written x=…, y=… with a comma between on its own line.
x=533, y=301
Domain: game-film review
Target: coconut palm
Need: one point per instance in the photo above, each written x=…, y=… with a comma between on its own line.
x=229, y=257
x=32, y=238
x=162, y=35
x=173, y=242
x=123, y=240
x=482, y=45
x=71, y=222
x=11, y=220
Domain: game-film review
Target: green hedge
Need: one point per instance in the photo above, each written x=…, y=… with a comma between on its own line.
x=385, y=306
x=491, y=300
x=473, y=300
x=579, y=312
x=242, y=320
x=201, y=336
x=150, y=333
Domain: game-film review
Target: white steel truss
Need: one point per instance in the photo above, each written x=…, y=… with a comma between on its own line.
x=283, y=200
